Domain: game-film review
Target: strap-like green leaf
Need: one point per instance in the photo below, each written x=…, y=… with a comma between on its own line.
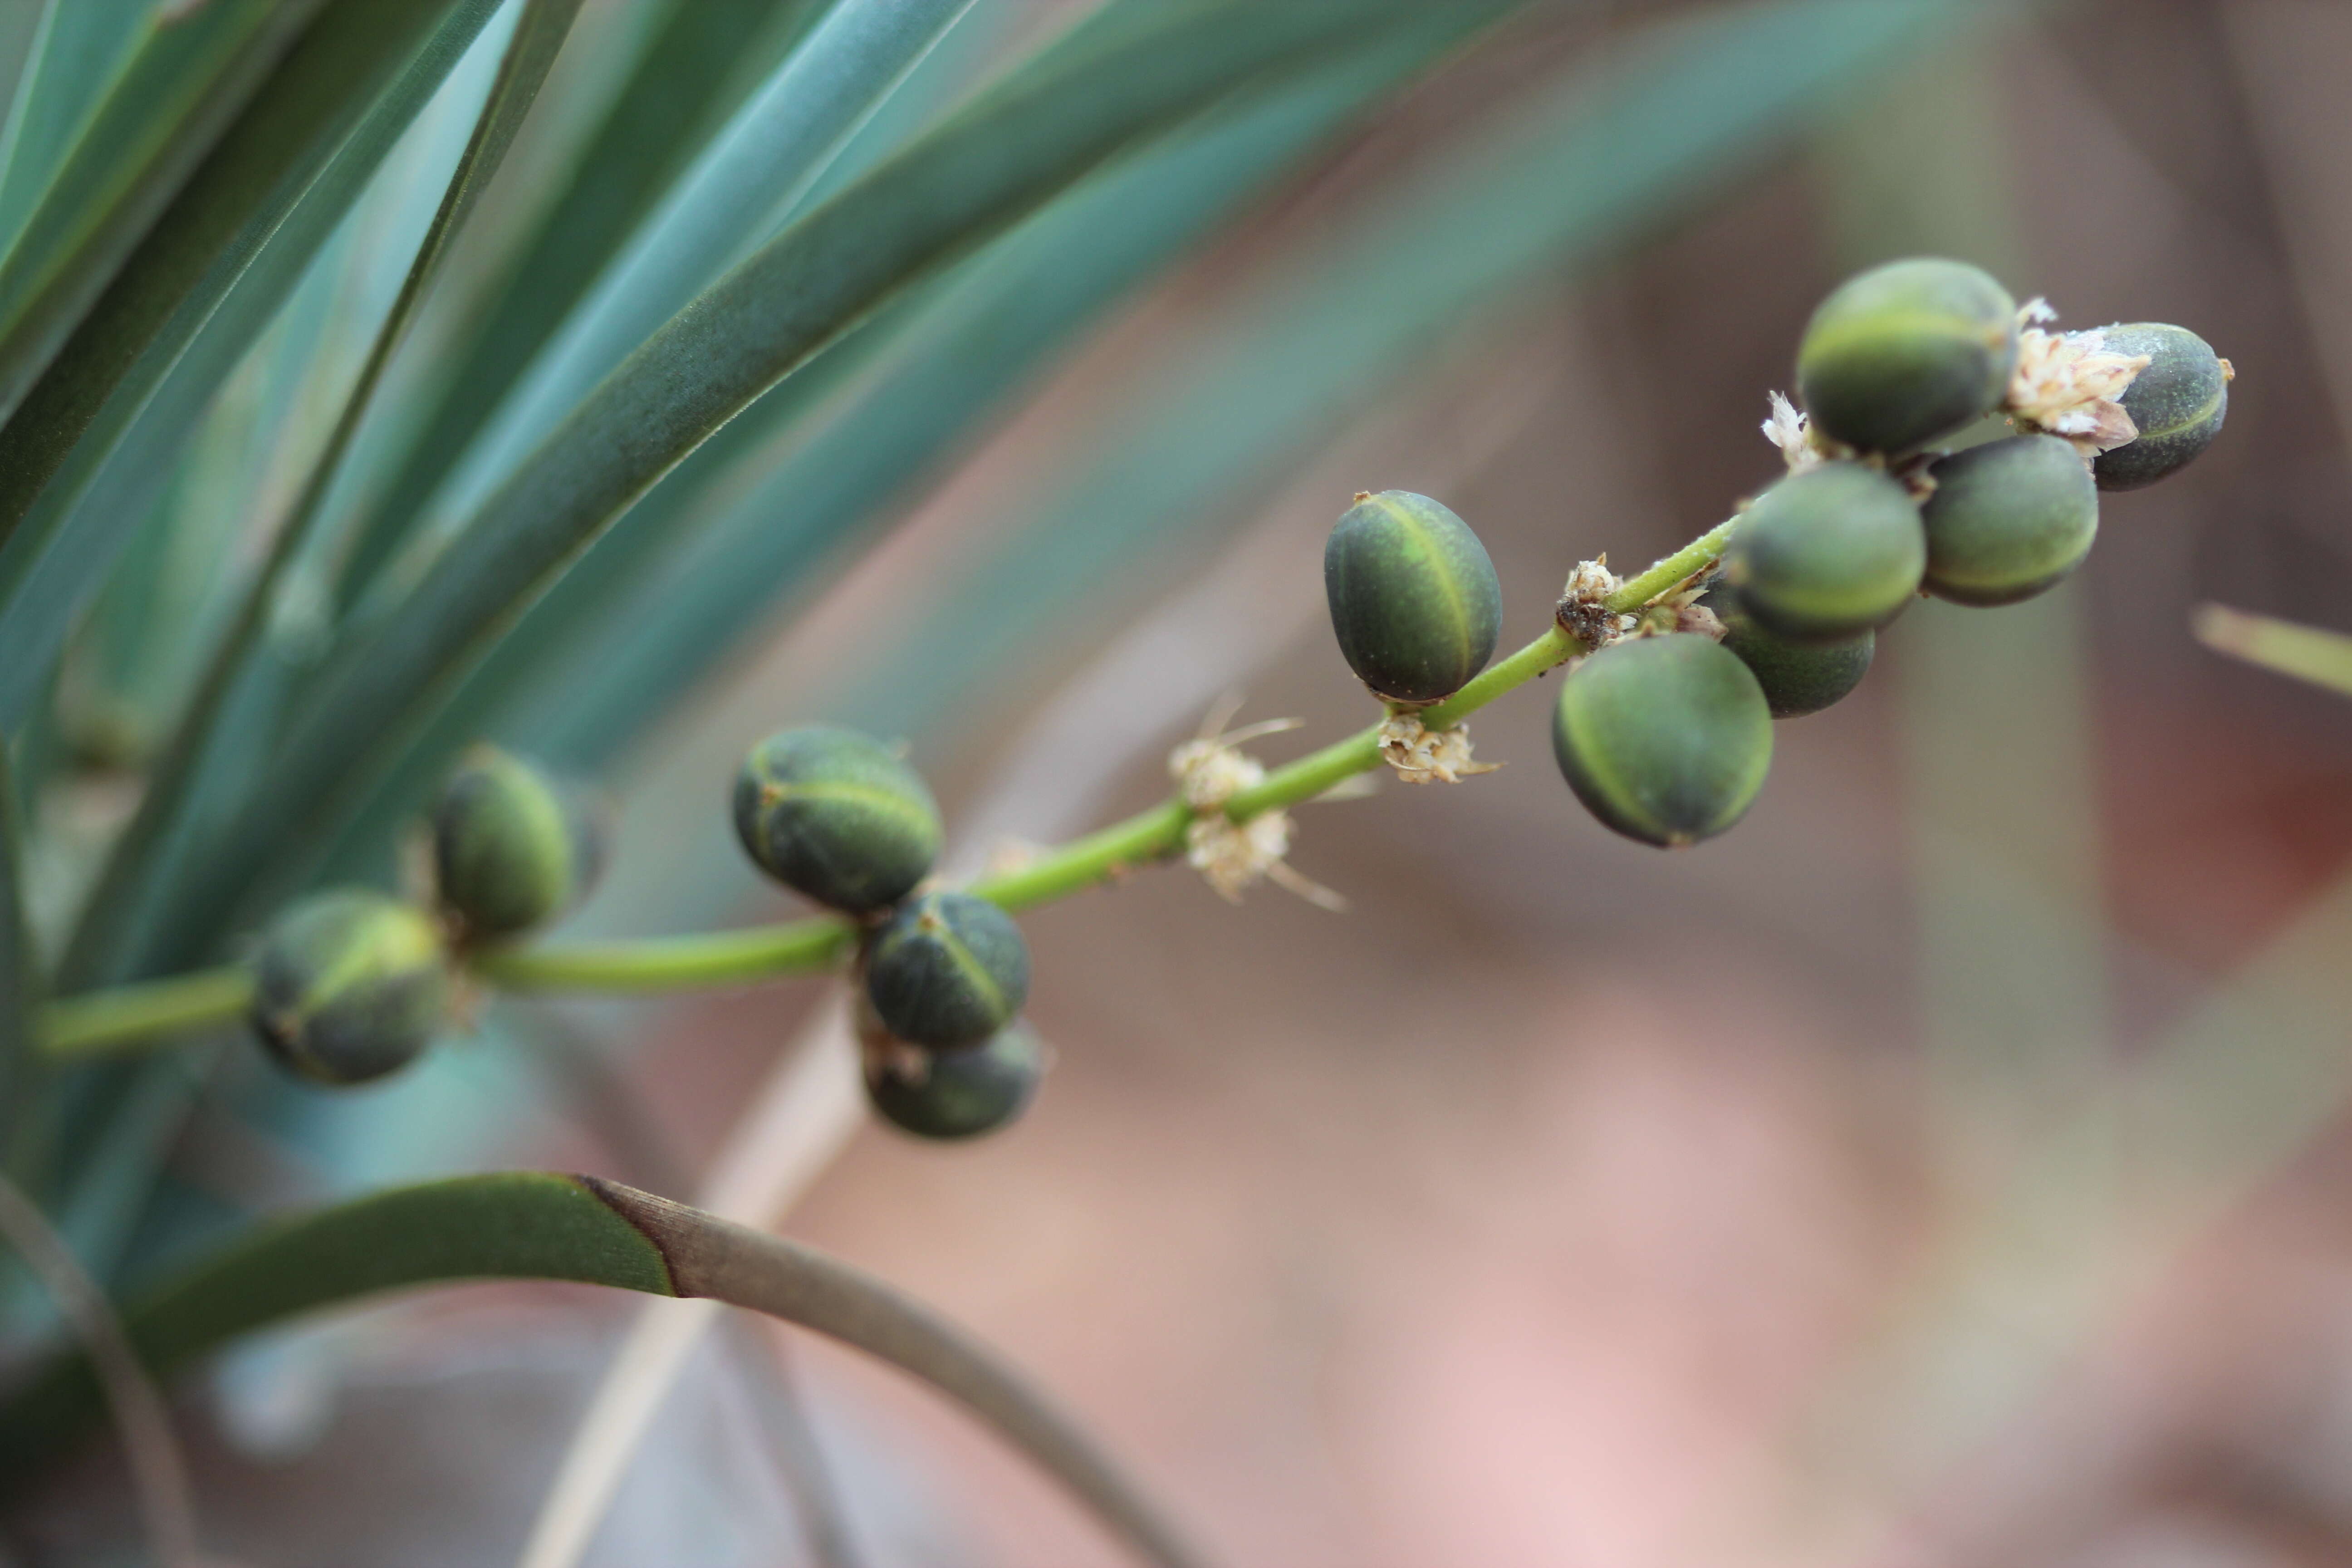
x=2306, y=653
x=1583, y=172
x=532, y=1226
x=139, y=872
x=735, y=194
x=189, y=78
x=702, y=59
x=695, y=564
x=188, y=304
x=21, y=988
x=57, y=59
x=984, y=169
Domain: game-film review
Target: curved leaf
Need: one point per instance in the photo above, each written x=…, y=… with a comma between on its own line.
x=1580, y=173
x=186, y=82
x=751, y=174
x=21, y=987
x=702, y=58
x=689, y=569
x=2306, y=653
x=980, y=172
x=534, y=1226
x=137, y=872
x=199, y=289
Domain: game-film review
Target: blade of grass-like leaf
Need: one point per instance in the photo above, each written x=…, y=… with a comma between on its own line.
x=545, y=1227
x=701, y=60
x=71, y=51
x=159, y=1475
x=1016, y=148
x=187, y=82
x=1574, y=178
x=21, y=986
x=782, y=138
x=2306, y=653
x=108, y=938
x=934, y=385
x=133, y=381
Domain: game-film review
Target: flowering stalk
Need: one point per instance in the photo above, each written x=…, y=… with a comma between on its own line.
x=125, y=1017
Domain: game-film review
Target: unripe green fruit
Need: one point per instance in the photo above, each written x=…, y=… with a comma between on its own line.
x=1665, y=739
x=834, y=815
x=2178, y=402
x=1828, y=553
x=961, y=1094
x=511, y=848
x=1415, y=599
x=948, y=970
x=1904, y=353
x=1797, y=678
x=350, y=986
x=2008, y=519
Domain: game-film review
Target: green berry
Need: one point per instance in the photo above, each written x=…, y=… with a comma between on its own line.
x=350, y=986
x=1414, y=600
x=1797, y=678
x=511, y=848
x=2008, y=519
x=2178, y=402
x=1665, y=739
x=949, y=970
x=1904, y=353
x=959, y=1094
x=836, y=816
x=1828, y=553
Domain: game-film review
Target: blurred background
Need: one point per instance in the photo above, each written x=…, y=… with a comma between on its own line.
x=1946, y=1167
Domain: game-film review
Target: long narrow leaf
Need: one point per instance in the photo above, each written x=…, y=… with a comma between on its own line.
x=1575, y=177
x=675, y=615
x=980, y=172
x=703, y=56
x=60, y=57
x=720, y=540
x=2306, y=653
x=185, y=279
x=752, y=173
x=540, y=1227
x=188, y=80
x=139, y=870
x=21, y=988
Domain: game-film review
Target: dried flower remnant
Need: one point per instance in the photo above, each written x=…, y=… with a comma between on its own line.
x=1421, y=755
x=1231, y=856
x=2070, y=384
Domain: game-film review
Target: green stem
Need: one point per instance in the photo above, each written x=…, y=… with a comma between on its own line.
x=104, y=1021
x=101, y=1022
x=1686, y=562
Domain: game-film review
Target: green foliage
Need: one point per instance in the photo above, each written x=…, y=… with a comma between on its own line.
x=1415, y=599
x=660, y=404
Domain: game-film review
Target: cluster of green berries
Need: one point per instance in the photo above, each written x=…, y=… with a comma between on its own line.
x=351, y=984
x=839, y=817
x=1665, y=731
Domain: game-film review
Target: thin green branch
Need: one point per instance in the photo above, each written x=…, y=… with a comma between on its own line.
x=123, y=1017
x=105, y=1021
